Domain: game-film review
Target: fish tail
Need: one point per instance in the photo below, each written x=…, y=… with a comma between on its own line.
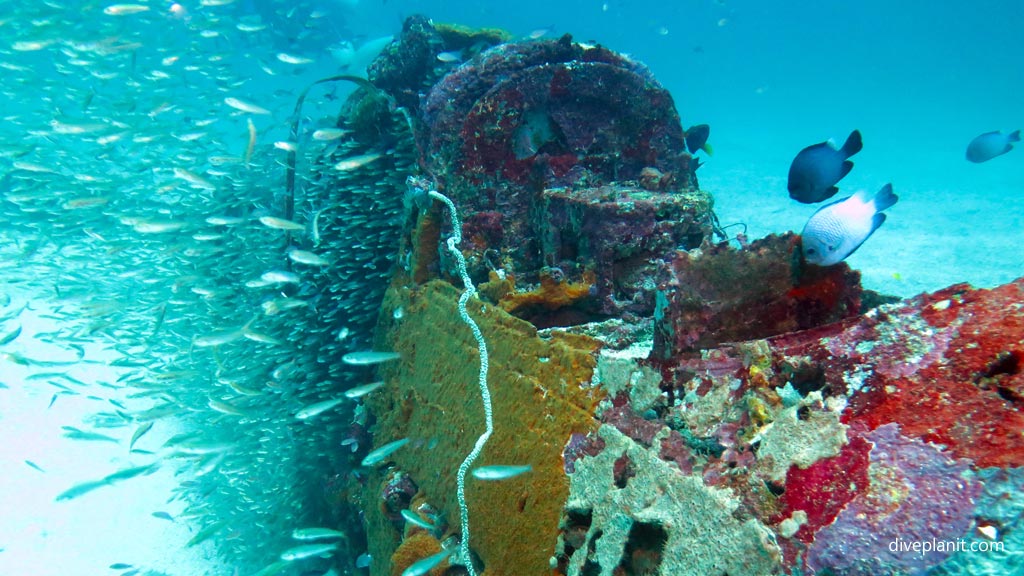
x=885, y=198
x=853, y=144
x=1014, y=136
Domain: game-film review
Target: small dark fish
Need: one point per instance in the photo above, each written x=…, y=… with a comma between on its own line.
x=120, y=566
x=991, y=144
x=697, y=138
x=816, y=169
x=163, y=516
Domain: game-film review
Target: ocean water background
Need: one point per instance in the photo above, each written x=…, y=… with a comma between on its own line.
x=918, y=78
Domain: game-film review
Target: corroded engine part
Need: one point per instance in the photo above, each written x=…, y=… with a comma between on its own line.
x=566, y=160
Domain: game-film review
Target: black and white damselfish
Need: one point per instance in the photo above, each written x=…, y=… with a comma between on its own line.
x=816, y=169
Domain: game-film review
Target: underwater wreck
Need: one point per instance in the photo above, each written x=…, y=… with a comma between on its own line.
x=685, y=406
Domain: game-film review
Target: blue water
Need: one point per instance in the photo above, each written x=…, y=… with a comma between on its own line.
x=918, y=78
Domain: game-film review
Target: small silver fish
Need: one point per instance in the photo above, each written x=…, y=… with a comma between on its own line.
x=368, y=357
x=124, y=9
x=317, y=408
x=380, y=454
x=363, y=390
x=291, y=59
x=244, y=106
x=836, y=230
x=307, y=551
x=280, y=277
x=8, y=338
x=500, y=471
x=131, y=473
x=450, y=57
x=317, y=534
x=224, y=220
x=139, y=433
x=76, y=434
x=224, y=407
x=420, y=567
x=306, y=257
x=262, y=338
x=327, y=134
x=81, y=489
x=991, y=144
x=34, y=466
x=206, y=533
x=218, y=338
x=353, y=162
x=415, y=519
x=280, y=223
x=195, y=180
x=278, y=305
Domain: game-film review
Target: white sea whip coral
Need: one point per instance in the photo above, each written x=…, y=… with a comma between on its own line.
x=485, y=394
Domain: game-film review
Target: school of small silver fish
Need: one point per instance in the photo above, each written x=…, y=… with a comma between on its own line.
x=143, y=211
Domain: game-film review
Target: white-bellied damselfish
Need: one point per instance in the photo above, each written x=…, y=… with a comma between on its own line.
x=991, y=144
x=816, y=169
x=839, y=228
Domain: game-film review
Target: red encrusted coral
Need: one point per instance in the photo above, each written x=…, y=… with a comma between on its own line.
x=942, y=369
x=824, y=488
x=938, y=366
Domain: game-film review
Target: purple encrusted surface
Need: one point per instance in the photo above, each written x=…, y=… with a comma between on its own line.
x=917, y=493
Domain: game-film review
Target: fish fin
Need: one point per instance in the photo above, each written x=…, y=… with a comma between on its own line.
x=884, y=198
x=845, y=169
x=707, y=149
x=829, y=192
x=876, y=221
x=1014, y=136
x=853, y=144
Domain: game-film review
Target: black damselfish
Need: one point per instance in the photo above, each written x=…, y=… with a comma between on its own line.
x=697, y=138
x=816, y=169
